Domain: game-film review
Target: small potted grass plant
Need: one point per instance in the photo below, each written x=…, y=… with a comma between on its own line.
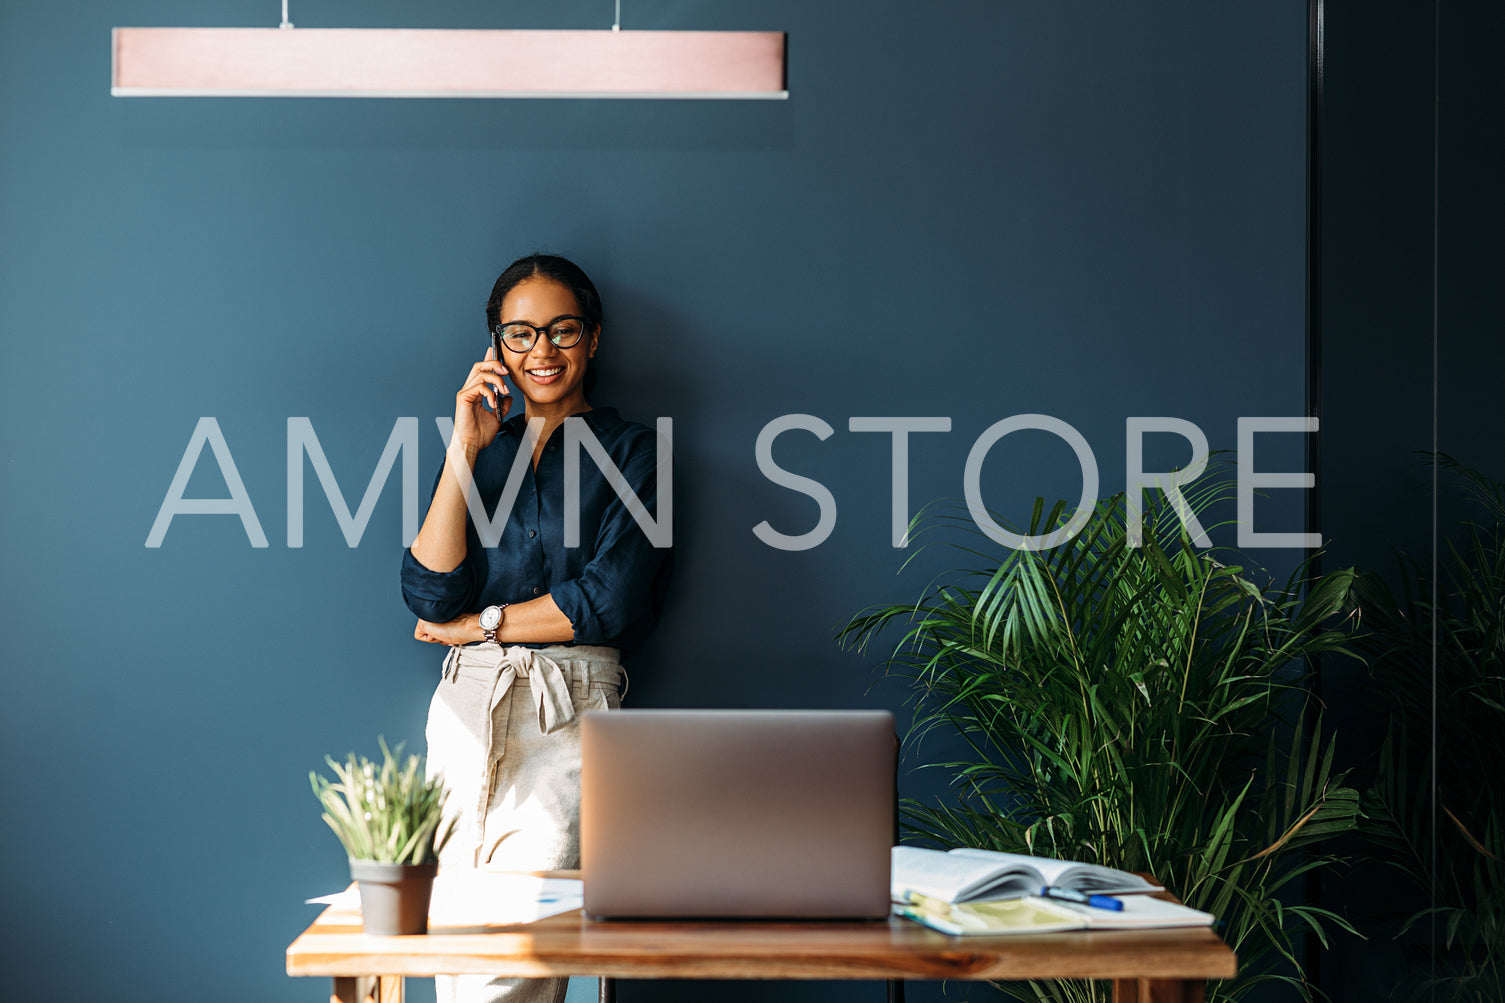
x=391, y=822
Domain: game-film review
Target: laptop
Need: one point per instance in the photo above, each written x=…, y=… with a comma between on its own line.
x=783, y=814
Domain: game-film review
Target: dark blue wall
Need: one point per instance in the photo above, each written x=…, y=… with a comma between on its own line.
x=1089, y=210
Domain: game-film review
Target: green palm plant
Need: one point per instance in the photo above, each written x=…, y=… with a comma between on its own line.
x=1141, y=707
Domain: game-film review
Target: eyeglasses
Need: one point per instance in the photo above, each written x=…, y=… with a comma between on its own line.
x=518, y=336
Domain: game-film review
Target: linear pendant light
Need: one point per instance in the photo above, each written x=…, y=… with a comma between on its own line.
x=423, y=63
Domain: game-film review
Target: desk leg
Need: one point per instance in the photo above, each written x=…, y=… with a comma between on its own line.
x=368, y=989
x=1159, y=990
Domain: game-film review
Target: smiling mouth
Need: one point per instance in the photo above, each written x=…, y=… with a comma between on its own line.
x=545, y=374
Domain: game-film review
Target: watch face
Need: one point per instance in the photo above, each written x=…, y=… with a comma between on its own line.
x=490, y=617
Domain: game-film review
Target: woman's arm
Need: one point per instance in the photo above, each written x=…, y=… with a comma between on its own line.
x=440, y=544
x=537, y=621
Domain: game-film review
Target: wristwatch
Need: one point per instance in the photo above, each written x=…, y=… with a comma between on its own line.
x=491, y=619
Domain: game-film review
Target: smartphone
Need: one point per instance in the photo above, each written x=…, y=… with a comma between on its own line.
x=496, y=348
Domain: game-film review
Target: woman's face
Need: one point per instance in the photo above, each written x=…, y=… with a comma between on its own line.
x=548, y=376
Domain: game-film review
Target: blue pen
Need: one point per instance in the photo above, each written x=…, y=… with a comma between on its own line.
x=1095, y=901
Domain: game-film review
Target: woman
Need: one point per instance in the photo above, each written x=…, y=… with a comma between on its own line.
x=536, y=628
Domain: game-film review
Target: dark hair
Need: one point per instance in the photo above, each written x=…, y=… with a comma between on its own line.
x=561, y=270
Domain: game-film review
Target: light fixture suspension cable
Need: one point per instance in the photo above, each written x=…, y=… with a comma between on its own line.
x=615, y=25
x=285, y=22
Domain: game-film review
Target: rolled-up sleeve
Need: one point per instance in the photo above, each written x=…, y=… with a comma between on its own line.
x=437, y=596
x=440, y=596
x=618, y=587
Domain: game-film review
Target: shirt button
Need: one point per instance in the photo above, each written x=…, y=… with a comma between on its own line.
x=532, y=533
x=537, y=590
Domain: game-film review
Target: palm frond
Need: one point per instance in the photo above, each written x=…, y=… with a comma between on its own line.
x=1117, y=704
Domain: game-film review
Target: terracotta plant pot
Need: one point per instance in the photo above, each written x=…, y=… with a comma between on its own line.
x=394, y=897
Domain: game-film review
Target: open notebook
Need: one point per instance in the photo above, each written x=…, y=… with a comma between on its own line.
x=1036, y=915
x=968, y=875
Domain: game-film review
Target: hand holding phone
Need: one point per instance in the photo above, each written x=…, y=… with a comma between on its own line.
x=475, y=425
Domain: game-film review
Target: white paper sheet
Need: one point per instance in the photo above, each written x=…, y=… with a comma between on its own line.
x=482, y=898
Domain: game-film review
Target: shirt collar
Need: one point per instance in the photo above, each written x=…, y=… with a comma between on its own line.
x=600, y=419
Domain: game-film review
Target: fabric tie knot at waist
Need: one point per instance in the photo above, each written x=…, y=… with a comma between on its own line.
x=546, y=684
x=488, y=692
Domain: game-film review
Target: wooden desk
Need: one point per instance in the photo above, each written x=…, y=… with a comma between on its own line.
x=1147, y=966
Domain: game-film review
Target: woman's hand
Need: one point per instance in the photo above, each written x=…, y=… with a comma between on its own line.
x=461, y=630
x=475, y=426
x=440, y=544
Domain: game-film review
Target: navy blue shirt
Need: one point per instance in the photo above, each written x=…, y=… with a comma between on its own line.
x=611, y=586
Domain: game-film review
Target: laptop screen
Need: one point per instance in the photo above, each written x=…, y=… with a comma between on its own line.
x=732, y=813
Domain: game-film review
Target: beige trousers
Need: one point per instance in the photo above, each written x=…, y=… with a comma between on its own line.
x=503, y=732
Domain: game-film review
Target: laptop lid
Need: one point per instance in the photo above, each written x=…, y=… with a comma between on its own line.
x=737, y=813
